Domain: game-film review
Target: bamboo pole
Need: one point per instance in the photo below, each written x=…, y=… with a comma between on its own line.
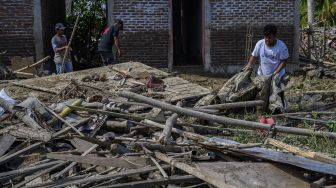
x=35, y=88
x=64, y=121
x=69, y=43
x=33, y=65
x=25, y=73
x=222, y=119
x=218, y=182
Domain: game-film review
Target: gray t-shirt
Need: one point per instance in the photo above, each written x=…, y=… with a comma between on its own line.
x=107, y=39
x=270, y=57
x=59, y=42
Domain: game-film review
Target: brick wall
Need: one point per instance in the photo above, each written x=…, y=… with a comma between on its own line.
x=16, y=31
x=229, y=21
x=145, y=35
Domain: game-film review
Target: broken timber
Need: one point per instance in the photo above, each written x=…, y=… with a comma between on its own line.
x=192, y=170
x=298, y=151
x=124, y=162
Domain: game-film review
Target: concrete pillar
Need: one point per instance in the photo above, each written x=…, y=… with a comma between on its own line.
x=311, y=10
x=296, y=38
x=38, y=32
x=207, y=33
x=110, y=16
x=170, y=38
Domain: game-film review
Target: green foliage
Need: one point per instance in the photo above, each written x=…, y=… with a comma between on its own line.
x=91, y=23
x=325, y=10
x=332, y=125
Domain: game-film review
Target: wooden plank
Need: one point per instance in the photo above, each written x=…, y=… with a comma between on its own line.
x=286, y=158
x=154, y=183
x=124, y=162
x=298, y=151
x=173, y=81
x=252, y=175
x=81, y=145
x=199, y=173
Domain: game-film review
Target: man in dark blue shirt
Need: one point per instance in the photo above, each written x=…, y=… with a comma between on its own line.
x=110, y=37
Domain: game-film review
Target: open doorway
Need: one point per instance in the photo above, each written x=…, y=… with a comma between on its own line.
x=187, y=32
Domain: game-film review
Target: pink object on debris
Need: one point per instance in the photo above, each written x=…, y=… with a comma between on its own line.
x=267, y=121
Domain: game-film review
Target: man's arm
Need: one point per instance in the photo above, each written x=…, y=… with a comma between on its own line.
x=117, y=44
x=60, y=49
x=252, y=61
x=281, y=66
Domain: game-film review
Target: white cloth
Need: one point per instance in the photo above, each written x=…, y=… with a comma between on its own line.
x=270, y=57
x=7, y=98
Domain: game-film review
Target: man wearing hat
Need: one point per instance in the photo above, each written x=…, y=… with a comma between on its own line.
x=110, y=37
x=59, y=44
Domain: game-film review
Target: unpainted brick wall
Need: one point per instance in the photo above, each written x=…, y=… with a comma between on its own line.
x=145, y=36
x=229, y=21
x=16, y=31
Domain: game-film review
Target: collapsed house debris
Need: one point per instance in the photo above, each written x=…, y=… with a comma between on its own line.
x=130, y=125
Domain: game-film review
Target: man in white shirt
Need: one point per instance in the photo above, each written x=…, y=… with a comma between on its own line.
x=272, y=54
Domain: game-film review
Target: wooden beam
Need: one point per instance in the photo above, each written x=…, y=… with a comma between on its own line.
x=123, y=162
x=193, y=171
x=157, y=182
x=35, y=88
x=92, y=179
x=298, y=151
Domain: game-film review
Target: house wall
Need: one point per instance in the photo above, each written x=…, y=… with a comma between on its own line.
x=229, y=21
x=146, y=30
x=27, y=27
x=17, y=28
x=147, y=26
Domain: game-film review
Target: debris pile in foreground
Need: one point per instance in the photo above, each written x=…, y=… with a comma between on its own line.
x=131, y=125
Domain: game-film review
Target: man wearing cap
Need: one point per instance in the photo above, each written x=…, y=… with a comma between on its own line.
x=59, y=44
x=110, y=37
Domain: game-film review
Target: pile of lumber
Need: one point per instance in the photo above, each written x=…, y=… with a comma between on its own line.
x=101, y=130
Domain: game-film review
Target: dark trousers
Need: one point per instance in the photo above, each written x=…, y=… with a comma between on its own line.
x=107, y=58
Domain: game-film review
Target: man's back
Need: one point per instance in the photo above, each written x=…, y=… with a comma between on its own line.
x=107, y=40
